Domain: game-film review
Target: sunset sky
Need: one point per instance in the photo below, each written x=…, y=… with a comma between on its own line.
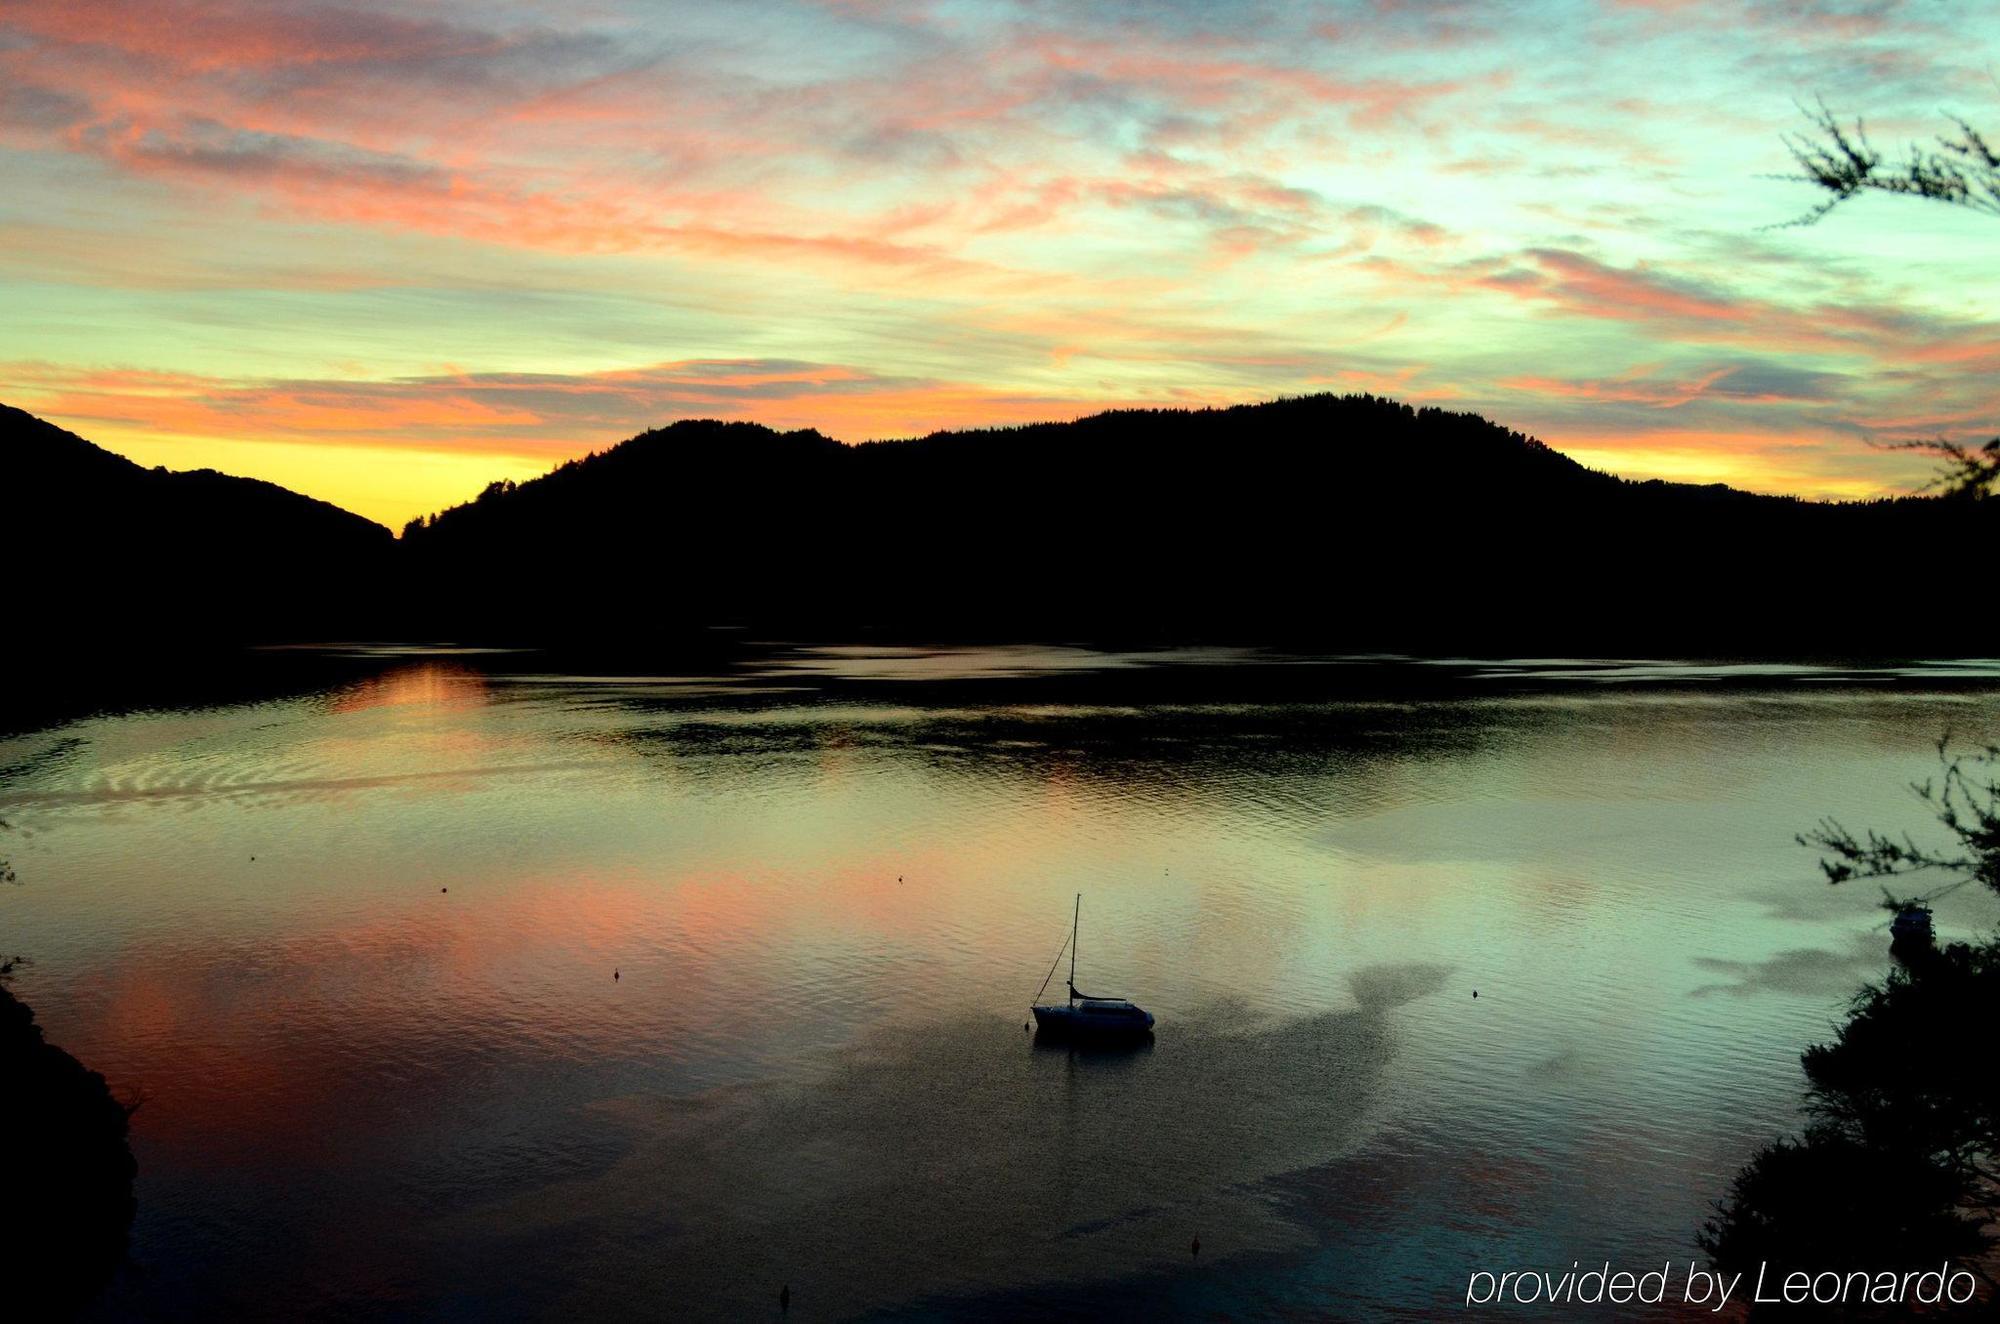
x=385, y=255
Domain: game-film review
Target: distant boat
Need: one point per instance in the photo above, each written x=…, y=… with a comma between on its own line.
x=1911, y=928
x=1084, y=1016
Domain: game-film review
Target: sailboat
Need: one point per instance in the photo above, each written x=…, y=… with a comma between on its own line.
x=1084, y=1015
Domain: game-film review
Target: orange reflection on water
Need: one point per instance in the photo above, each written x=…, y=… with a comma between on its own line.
x=427, y=684
x=262, y=1041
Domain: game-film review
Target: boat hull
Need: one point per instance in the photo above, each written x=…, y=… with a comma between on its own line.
x=1080, y=1023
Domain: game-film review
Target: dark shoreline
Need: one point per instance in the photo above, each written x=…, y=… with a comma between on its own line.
x=55, y=688
x=69, y=1169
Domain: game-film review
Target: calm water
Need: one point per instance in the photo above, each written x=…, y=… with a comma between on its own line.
x=831, y=880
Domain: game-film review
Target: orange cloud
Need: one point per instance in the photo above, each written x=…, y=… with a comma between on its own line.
x=977, y=217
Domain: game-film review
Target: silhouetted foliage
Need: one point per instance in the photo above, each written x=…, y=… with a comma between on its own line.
x=66, y=1163
x=68, y=1170
x=1961, y=170
x=1830, y=1201
x=1967, y=472
x=1898, y=1167
x=1964, y=799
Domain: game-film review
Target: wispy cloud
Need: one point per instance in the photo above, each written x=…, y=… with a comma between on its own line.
x=881, y=216
x=545, y=416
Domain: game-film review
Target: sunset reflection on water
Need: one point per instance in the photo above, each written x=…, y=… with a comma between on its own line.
x=356, y=950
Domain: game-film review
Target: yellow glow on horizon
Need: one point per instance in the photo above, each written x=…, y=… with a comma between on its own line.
x=393, y=484
x=1750, y=463
x=385, y=263
x=390, y=485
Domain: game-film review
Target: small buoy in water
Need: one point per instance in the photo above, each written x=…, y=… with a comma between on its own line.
x=899, y=878
x=444, y=889
x=1475, y=992
x=253, y=857
x=1194, y=1248
x=785, y=1297
x=614, y=974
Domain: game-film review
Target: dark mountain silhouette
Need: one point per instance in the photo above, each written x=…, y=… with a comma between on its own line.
x=108, y=550
x=1353, y=522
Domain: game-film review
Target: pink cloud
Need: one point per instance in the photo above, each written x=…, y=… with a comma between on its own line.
x=533, y=414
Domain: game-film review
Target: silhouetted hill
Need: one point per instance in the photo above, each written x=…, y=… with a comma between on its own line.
x=1353, y=522
x=106, y=549
x=1350, y=523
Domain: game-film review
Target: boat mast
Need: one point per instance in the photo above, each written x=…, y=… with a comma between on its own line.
x=1073, y=922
